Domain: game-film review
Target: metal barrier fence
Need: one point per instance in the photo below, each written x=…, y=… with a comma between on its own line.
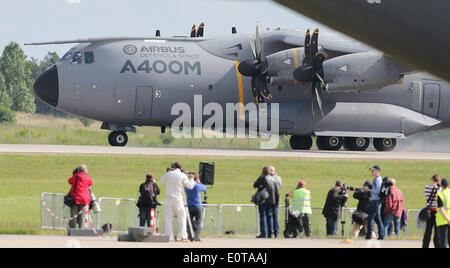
x=55, y=203
x=238, y=219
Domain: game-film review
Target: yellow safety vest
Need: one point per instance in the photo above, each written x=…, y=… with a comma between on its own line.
x=302, y=201
x=444, y=196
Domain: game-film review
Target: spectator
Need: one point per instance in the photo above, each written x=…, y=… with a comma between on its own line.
x=395, y=203
x=362, y=212
x=332, y=209
x=148, y=191
x=375, y=205
x=278, y=184
x=194, y=202
x=268, y=184
x=80, y=183
x=443, y=215
x=301, y=206
x=431, y=192
x=176, y=180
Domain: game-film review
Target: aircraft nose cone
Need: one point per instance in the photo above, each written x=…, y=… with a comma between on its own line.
x=46, y=86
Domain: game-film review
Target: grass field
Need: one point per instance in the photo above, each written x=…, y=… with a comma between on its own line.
x=24, y=177
x=70, y=131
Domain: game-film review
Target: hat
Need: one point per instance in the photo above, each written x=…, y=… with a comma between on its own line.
x=444, y=183
x=301, y=184
x=376, y=167
x=339, y=183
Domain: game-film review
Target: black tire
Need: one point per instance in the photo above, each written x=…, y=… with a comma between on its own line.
x=356, y=144
x=301, y=142
x=329, y=143
x=118, y=139
x=384, y=145
x=290, y=233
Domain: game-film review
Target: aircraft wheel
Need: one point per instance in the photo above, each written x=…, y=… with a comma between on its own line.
x=301, y=142
x=356, y=144
x=385, y=145
x=118, y=138
x=329, y=143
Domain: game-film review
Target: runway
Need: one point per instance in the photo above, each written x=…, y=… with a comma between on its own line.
x=22, y=241
x=106, y=150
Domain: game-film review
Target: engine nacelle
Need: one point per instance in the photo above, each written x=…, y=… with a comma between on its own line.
x=282, y=66
x=361, y=71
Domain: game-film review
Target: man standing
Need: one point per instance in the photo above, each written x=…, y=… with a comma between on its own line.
x=395, y=203
x=431, y=192
x=80, y=182
x=443, y=215
x=301, y=206
x=278, y=183
x=375, y=205
x=147, y=200
x=176, y=180
x=194, y=202
x=332, y=209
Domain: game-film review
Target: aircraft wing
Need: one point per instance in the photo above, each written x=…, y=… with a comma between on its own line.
x=413, y=31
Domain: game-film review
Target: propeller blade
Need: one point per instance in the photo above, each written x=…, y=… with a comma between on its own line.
x=201, y=30
x=194, y=31
x=322, y=82
x=306, y=56
x=254, y=90
x=258, y=43
x=319, y=100
x=314, y=44
x=263, y=87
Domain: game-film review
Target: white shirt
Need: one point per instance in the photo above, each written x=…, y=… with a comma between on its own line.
x=176, y=181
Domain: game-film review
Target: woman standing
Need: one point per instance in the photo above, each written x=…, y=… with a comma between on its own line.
x=431, y=192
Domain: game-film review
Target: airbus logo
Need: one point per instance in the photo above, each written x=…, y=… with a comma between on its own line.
x=130, y=50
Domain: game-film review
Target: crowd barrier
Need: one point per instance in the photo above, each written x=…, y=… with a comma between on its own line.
x=218, y=220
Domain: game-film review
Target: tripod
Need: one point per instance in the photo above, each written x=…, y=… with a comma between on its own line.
x=205, y=209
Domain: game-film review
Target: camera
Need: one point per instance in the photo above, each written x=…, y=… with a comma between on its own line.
x=386, y=187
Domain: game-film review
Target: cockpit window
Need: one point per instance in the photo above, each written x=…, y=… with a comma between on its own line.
x=77, y=58
x=66, y=57
x=89, y=57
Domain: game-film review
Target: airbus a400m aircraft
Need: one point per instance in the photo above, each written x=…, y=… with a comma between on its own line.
x=342, y=92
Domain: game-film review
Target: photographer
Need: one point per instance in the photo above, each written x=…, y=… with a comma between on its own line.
x=80, y=194
x=194, y=202
x=394, y=208
x=375, y=204
x=147, y=200
x=362, y=212
x=332, y=209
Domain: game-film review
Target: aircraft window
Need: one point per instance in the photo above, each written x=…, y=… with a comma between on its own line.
x=77, y=58
x=89, y=57
x=66, y=57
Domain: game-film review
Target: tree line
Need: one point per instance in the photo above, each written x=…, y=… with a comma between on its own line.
x=17, y=76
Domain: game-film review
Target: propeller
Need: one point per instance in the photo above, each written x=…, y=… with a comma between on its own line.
x=201, y=30
x=311, y=70
x=194, y=31
x=258, y=69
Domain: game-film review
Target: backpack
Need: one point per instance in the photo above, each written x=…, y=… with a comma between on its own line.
x=148, y=196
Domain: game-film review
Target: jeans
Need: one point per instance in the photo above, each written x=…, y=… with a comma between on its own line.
x=265, y=220
x=431, y=224
x=375, y=217
x=444, y=235
x=272, y=221
x=332, y=226
x=195, y=214
x=388, y=219
x=144, y=217
x=79, y=222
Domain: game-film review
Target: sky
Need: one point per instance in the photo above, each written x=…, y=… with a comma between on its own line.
x=49, y=20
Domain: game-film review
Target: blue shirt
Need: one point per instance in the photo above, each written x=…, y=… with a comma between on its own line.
x=376, y=189
x=194, y=198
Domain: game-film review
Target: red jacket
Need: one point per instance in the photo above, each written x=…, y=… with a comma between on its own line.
x=395, y=203
x=82, y=194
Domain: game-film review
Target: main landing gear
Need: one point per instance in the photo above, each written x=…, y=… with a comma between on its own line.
x=118, y=138
x=333, y=143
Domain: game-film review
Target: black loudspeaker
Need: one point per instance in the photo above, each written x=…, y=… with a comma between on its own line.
x=206, y=173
